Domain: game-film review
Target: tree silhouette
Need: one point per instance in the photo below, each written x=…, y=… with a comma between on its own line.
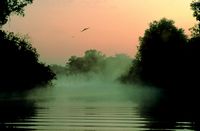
x=159, y=57
x=20, y=67
x=195, y=6
x=193, y=51
x=91, y=61
x=94, y=64
x=8, y=7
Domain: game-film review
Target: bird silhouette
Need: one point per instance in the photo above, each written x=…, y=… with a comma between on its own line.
x=85, y=29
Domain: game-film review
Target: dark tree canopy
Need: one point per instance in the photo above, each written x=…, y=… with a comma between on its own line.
x=8, y=7
x=195, y=5
x=159, y=57
x=94, y=64
x=91, y=61
x=20, y=67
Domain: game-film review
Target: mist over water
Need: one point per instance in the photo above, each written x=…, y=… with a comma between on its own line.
x=93, y=101
x=78, y=102
x=103, y=87
x=100, y=89
x=90, y=102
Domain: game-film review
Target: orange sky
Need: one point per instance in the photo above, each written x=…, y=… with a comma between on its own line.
x=115, y=25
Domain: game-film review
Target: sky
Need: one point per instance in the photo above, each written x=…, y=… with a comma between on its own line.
x=54, y=26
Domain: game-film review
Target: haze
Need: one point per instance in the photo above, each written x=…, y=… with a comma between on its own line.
x=54, y=26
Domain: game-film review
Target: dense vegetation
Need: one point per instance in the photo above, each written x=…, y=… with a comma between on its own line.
x=160, y=57
x=20, y=67
x=166, y=57
x=91, y=61
x=195, y=6
x=96, y=63
x=9, y=7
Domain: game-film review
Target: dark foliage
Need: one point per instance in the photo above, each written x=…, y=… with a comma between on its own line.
x=19, y=66
x=160, y=57
x=94, y=64
x=166, y=58
x=8, y=7
x=195, y=5
x=92, y=61
x=193, y=62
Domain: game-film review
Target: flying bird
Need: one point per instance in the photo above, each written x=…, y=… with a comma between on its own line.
x=85, y=29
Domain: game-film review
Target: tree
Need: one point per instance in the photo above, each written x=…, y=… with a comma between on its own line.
x=195, y=6
x=75, y=65
x=20, y=67
x=9, y=7
x=90, y=62
x=195, y=31
x=194, y=46
x=160, y=54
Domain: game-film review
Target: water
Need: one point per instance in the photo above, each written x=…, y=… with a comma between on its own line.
x=85, y=107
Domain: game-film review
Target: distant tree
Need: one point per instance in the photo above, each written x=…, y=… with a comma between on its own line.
x=9, y=7
x=160, y=54
x=76, y=65
x=90, y=62
x=94, y=60
x=20, y=67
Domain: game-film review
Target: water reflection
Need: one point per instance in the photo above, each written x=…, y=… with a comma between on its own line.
x=14, y=108
x=172, y=112
x=97, y=109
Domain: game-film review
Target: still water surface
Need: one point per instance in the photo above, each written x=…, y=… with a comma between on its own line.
x=91, y=107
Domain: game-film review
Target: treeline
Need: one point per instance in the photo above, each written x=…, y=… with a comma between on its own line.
x=20, y=67
x=95, y=64
x=166, y=57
